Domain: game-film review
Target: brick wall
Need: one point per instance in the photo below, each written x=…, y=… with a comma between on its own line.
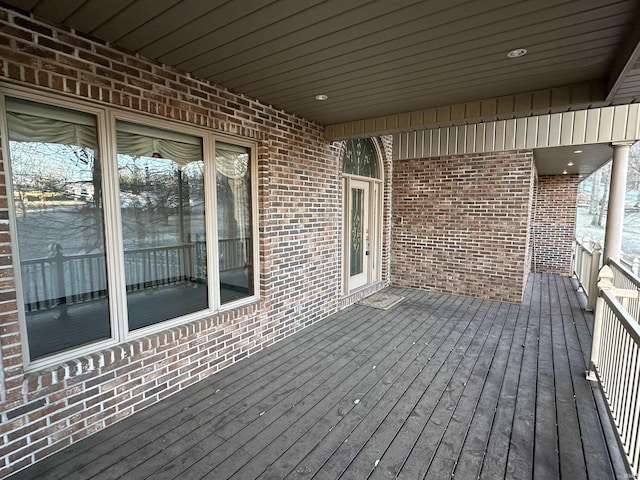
x=300, y=236
x=461, y=224
x=554, y=223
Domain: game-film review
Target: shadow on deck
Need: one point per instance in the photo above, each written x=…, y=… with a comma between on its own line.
x=436, y=386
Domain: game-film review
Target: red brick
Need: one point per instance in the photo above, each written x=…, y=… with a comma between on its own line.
x=448, y=210
x=554, y=223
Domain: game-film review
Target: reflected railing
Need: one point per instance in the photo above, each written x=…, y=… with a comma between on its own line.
x=70, y=279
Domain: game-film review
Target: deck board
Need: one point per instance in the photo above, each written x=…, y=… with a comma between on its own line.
x=445, y=459
x=436, y=387
x=597, y=466
x=188, y=403
x=495, y=461
x=387, y=381
x=572, y=461
x=520, y=457
x=438, y=404
x=241, y=409
x=407, y=396
x=380, y=380
x=354, y=382
x=546, y=460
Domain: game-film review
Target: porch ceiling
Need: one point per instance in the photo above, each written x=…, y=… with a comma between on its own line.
x=583, y=160
x=379, y=58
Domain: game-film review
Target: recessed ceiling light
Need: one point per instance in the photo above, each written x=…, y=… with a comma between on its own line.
x=564, y=172
x=321, y=97
x=570, y=164
x=577, y=151
x=518, y=52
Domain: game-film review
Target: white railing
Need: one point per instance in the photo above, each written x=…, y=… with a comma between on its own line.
x=585, y=266
x=586, y=263
x=627, y=288
x=615, y=359
x=633, y=267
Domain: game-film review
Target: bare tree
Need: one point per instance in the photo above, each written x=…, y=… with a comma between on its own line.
x=603, y=179
x=43, y=176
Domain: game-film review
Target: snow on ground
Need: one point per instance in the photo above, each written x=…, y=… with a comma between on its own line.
x=630, y=232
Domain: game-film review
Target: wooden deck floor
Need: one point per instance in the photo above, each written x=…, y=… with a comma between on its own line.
x=435, y=387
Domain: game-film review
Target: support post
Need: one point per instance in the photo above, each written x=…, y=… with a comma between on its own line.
x=605, y=283
x=593, y=277
x=615, y=208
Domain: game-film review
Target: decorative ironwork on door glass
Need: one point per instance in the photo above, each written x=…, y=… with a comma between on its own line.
x=357, y=231
x=360, y=158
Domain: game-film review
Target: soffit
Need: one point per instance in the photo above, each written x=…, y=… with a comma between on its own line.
x=582, y=160
x=374, y=58
x=582, y=138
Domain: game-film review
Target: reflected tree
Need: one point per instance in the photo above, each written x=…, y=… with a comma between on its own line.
x=47, y=179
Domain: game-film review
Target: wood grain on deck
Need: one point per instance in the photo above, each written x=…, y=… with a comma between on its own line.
x=436, y=387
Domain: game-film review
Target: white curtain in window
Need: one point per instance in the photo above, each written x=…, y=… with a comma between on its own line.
x=31, y=122
x=230, y=163
x=141, y=146
x=143, y=141
x=28, y=128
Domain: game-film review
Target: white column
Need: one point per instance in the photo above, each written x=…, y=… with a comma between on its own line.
x=615, y=209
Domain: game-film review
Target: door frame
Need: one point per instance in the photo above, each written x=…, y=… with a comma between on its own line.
x=373, y=243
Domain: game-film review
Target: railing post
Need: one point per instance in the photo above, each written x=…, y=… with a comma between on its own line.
x=593, y=277
x=58, y=263
x=605, y=283
x=577, y=258
x=635, y=268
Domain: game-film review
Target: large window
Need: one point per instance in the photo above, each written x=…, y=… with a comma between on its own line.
x=161, y=178
x=57, y=199
x=116, y=246
x=235, y=239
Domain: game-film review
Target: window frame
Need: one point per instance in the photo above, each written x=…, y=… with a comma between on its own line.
x=106, y=117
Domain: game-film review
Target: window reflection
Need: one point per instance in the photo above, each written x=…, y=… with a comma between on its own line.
x=161, y=175
x=233, y=186
x=57, y=197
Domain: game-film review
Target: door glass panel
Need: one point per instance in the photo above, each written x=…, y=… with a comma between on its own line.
x=161, y=175
x=360, y=158
x=357, y=231
x=57, y=199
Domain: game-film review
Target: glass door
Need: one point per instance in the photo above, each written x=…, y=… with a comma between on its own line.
x=359, y=214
